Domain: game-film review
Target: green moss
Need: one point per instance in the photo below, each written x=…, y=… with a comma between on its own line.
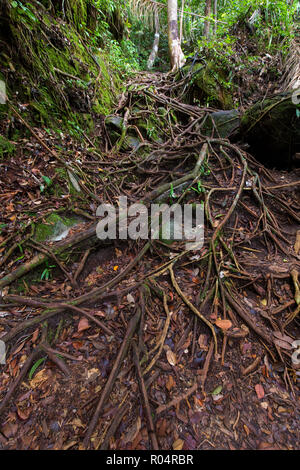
x=6, y=147
x=210, y=86
x=54, y=225
x=56, y=73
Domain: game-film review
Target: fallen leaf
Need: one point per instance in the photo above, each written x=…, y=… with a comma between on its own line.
x=259, y=391
x=35, y=335
x=170, y=382
x=130, y=299
x=223, y=324
x=76, y=423
x=217, y=390
x=83, y=324
x=24, y=414
x=171, y=357
x=9, y=430
x=178, y=444
x=133, y=431
x=282, y=340
x=39, y=378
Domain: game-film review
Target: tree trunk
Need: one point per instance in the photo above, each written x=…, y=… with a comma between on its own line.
x=176, y=54
x=215, y=16
x=207, y=21
x=154, y=51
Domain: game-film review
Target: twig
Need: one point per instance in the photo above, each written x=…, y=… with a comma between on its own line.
x=143, y=390
x=177, y=399
x=113, y=375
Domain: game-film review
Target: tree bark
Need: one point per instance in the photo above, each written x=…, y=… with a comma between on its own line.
x=215, y=16
x=207, y=21
x=176, y=54
x=154, y=51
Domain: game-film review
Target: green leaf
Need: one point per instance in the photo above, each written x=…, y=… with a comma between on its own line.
x=47, y=180
x=35, y=366
x=14, y=4
x=44, y=274
x=217, y=390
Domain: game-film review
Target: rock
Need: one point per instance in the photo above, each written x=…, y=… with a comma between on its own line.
x=225, y=123
x=209, y=84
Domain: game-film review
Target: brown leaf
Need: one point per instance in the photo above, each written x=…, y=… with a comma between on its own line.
x=133, y=431
x=35, y=335
x=170, y=382
x=83, y=324
x=161, y=427
x=223, y=324
x=203, y=342
x=259, y=391
x=282, y=344
x=9, y=430
x=24, y=414
x=178, y=444
x=171, y=357
x=283, y=341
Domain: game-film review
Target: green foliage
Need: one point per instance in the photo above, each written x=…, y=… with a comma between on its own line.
x=35, y=366
x=6, y=147
x=23, y=9
x=46, y=274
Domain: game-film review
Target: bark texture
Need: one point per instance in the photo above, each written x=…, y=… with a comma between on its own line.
x=176, y=54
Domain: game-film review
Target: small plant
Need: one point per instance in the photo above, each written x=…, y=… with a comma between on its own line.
x=46, y=274
x=48, y=182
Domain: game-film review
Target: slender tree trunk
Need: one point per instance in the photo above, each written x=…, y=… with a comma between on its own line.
x=207, y=13
x=181, y=21
x=215, y=16
x=176, y=54
x=154, y=51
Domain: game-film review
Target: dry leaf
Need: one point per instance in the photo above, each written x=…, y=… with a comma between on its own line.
x=133, y=431
x=24, y=414
x=83, y=324
x=283, y=341
x=35, y=335
x=259, y=391
x=203, y=342
x=9, y=430
x=170, y=383
x=76, y=423
x=171, y=357
x=130, y=299
x=223, y=324
x=39, y=378
x=178, y=444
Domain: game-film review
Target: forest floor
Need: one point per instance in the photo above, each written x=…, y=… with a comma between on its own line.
x=144, y=345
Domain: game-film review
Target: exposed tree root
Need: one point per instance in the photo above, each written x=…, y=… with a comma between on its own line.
x=247, y=248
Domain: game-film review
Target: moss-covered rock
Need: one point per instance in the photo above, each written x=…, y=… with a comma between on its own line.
x=222, y=123
x=54, y=228
x=209, y=85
